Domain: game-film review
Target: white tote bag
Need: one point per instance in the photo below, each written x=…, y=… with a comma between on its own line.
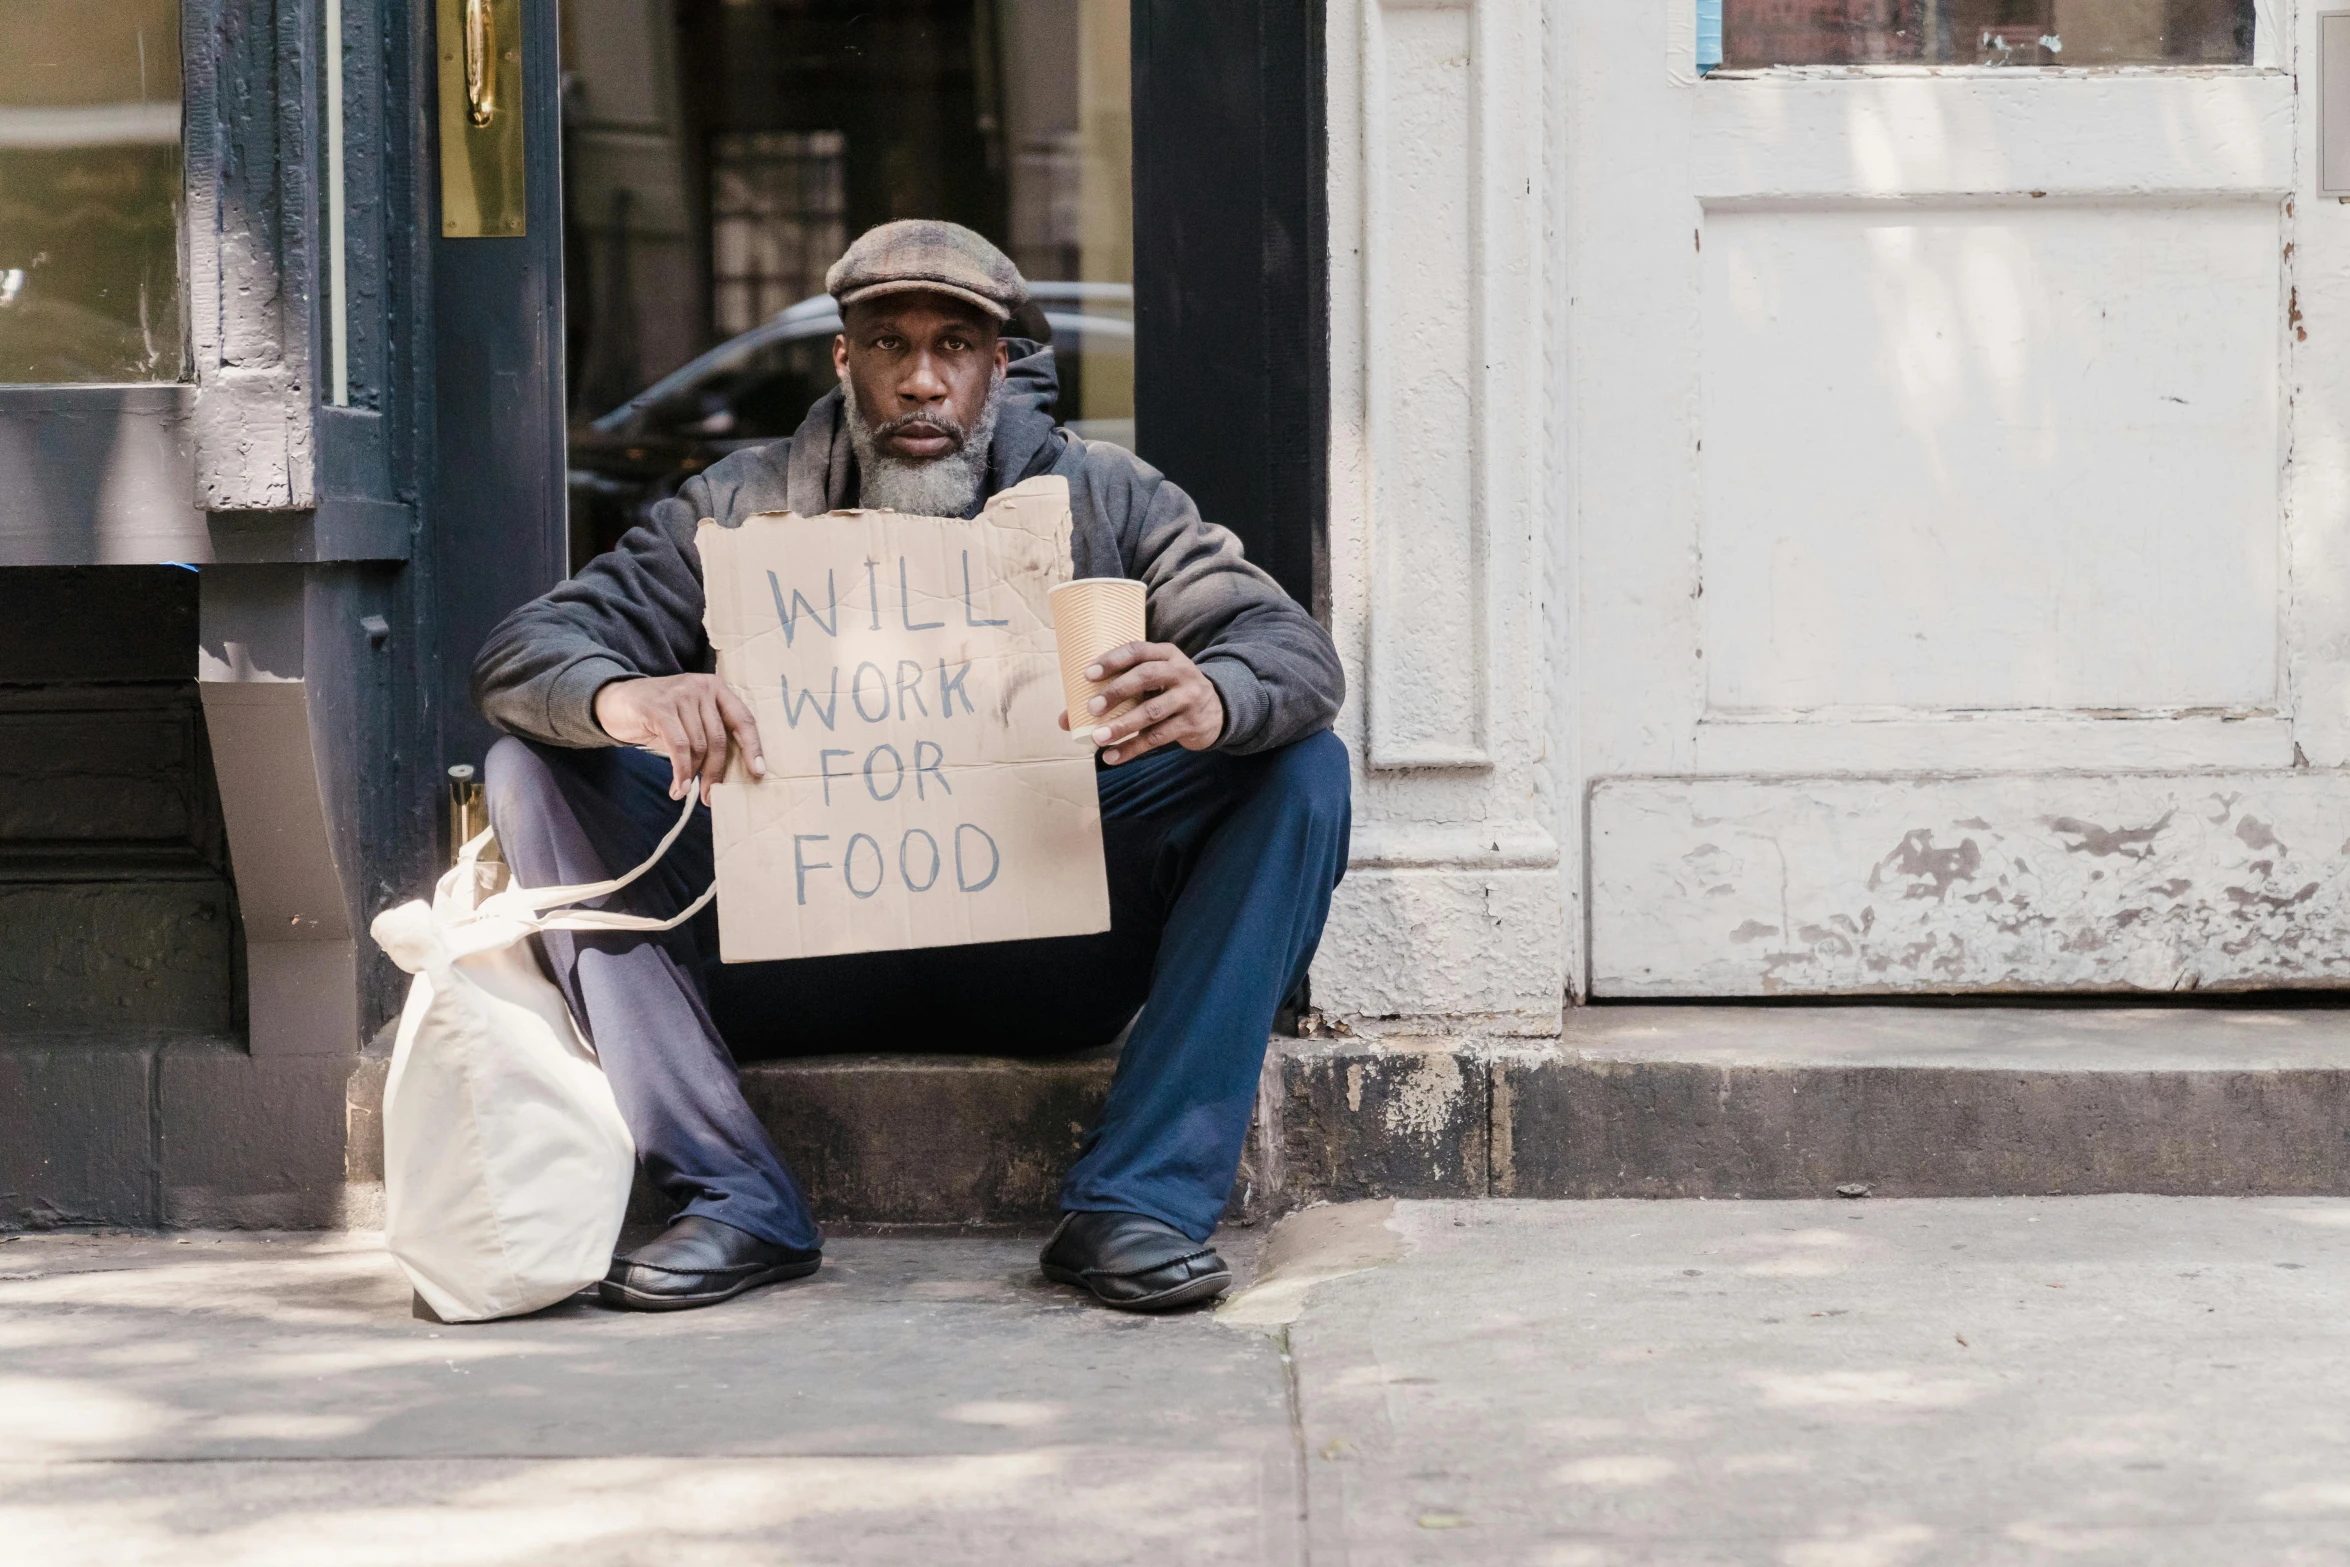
x=506, y=1164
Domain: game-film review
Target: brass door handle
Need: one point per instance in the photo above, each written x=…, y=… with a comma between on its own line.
x=481, y=62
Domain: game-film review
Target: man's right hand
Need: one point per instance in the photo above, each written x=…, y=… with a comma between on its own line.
x=692, y=719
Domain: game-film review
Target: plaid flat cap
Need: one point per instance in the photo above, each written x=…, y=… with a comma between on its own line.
x=927, y=255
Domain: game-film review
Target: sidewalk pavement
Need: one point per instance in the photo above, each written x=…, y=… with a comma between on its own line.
x=1838, y=1384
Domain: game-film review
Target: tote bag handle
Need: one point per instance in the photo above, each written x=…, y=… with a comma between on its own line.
x=521, y=911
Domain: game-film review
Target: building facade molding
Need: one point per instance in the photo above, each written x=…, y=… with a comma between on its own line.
x=1454, y=912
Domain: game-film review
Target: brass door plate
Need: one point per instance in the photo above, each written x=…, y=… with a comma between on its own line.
x=480, y=45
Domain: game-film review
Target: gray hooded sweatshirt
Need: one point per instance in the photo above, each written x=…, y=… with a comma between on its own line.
x=637, y=610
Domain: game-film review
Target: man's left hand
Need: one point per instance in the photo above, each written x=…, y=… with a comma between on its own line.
x=1178, y=704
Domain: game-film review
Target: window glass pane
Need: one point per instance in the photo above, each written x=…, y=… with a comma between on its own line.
x=720, y=154
x=1068, y=138
x=1983, y=32
x=90, y=190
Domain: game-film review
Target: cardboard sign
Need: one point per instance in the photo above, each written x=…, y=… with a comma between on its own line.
x=920, y=791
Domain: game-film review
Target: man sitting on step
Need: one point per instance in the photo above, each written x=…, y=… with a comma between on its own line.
x=1224, y=801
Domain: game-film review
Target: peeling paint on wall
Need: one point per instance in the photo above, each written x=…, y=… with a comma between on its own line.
x=1827, y=886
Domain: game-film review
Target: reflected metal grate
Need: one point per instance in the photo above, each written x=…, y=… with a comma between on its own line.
x=778, y=218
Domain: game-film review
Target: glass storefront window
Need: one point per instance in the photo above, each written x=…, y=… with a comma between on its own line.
x=719, y=156
x=90, y=191
x=1760, y=33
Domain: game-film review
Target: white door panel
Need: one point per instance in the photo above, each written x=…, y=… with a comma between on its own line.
x=1973, y=457
x=1726, y=886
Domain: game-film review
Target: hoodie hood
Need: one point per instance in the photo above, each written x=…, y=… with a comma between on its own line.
x=823, y=472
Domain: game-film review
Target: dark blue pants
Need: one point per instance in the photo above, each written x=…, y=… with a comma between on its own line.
x=1220, y=871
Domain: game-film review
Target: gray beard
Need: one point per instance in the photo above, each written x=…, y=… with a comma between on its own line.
x=945, y=486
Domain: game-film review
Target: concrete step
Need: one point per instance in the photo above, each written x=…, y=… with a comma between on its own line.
x=1917, y=1101
x=1639, y=1101
x=1632, y=1101
x=929, y=1139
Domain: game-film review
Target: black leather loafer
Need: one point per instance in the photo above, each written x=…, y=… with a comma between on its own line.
x=699, y=1262
x=1132, y=1263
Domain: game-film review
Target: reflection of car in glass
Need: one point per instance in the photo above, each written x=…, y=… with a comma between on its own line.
x=760, y=385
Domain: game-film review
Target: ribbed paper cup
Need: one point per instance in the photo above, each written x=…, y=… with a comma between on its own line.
x=1091, y=616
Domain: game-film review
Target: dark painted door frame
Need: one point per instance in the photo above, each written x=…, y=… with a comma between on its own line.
x=1231, y=292
x=498, y=531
